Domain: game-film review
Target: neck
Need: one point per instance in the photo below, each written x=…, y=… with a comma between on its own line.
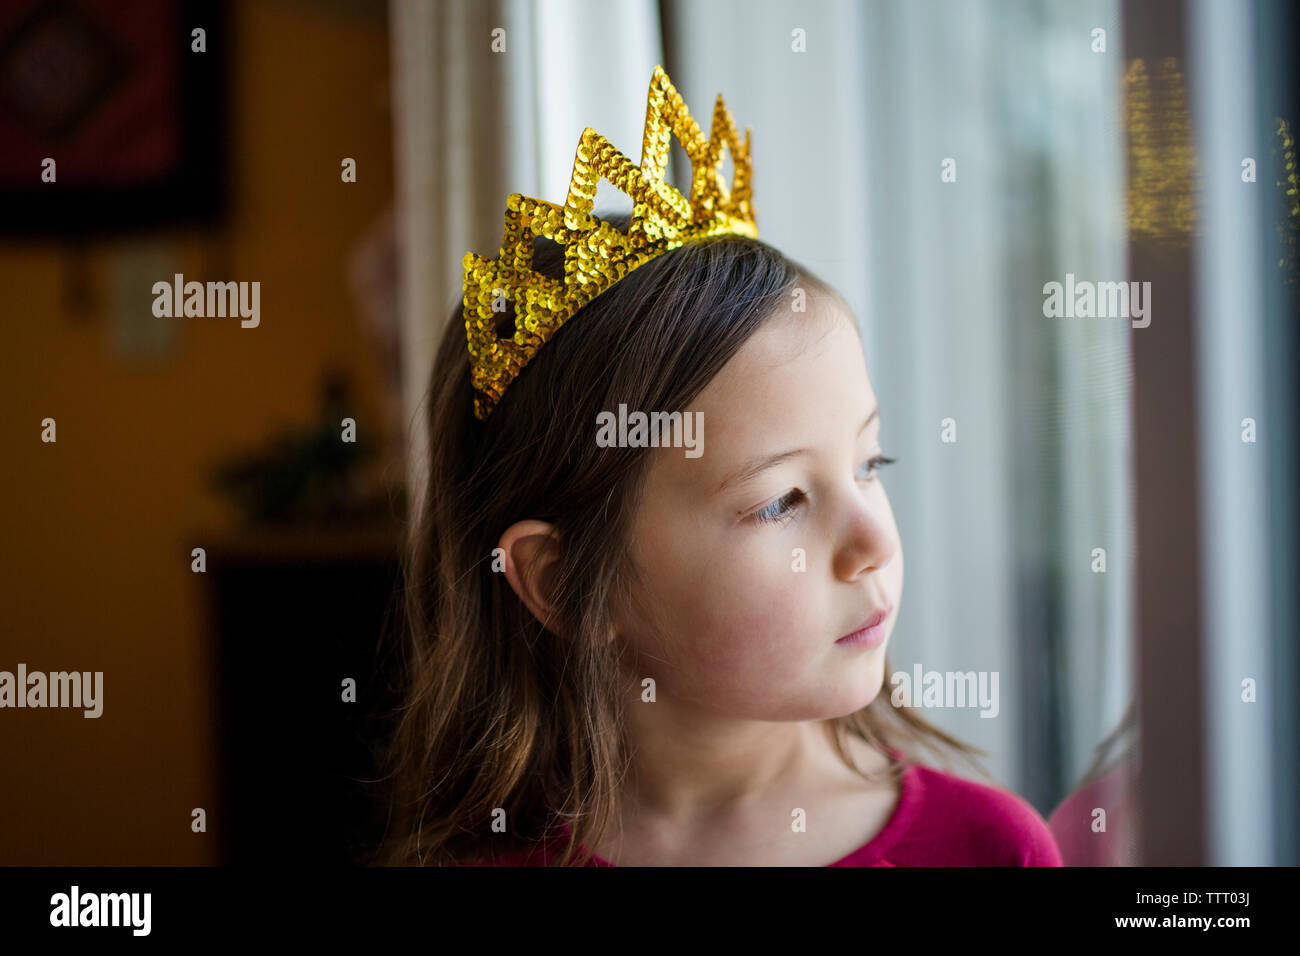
x=689, y=767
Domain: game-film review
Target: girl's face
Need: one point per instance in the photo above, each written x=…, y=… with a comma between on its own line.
x=751, y=571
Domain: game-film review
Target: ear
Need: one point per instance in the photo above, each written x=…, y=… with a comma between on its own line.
x=532, y=552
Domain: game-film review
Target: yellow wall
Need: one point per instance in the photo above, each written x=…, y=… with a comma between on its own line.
x=97, y=528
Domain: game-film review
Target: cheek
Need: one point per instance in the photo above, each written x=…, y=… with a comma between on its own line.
x=732, y=617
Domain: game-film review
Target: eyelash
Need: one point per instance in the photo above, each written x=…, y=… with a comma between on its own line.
x=779, y=511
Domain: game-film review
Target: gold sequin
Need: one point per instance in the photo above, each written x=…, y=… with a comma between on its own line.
x=596, y=254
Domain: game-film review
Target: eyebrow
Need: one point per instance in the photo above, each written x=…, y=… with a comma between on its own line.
x=757, y=465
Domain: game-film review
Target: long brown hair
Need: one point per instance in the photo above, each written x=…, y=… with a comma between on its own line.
x=499, y=713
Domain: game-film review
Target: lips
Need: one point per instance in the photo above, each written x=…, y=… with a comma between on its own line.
x=869, y=623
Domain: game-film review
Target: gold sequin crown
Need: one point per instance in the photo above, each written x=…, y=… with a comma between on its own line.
x=597, y=254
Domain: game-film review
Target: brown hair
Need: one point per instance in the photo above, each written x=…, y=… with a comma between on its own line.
x=498, y=712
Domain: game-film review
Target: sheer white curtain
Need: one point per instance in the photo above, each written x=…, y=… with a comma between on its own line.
x=1244, y=773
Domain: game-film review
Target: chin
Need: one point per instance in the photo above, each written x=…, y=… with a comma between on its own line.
x=863, y=690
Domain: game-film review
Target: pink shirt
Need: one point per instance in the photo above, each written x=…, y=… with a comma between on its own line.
x=940, y=820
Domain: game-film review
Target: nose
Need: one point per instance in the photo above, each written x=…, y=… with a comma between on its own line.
x=866, y=539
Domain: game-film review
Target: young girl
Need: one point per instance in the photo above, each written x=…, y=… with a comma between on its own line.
x=659, y=673
x=673, y=655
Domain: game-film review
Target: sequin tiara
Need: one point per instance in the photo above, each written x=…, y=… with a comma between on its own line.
x=597, y=254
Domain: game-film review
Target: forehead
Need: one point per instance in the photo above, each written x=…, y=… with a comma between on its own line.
x=799, y=382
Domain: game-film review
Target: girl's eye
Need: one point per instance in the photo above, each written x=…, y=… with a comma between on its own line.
x=873, y=463
x=781, y=510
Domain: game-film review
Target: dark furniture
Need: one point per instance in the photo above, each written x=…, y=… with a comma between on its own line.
x=293, y=611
